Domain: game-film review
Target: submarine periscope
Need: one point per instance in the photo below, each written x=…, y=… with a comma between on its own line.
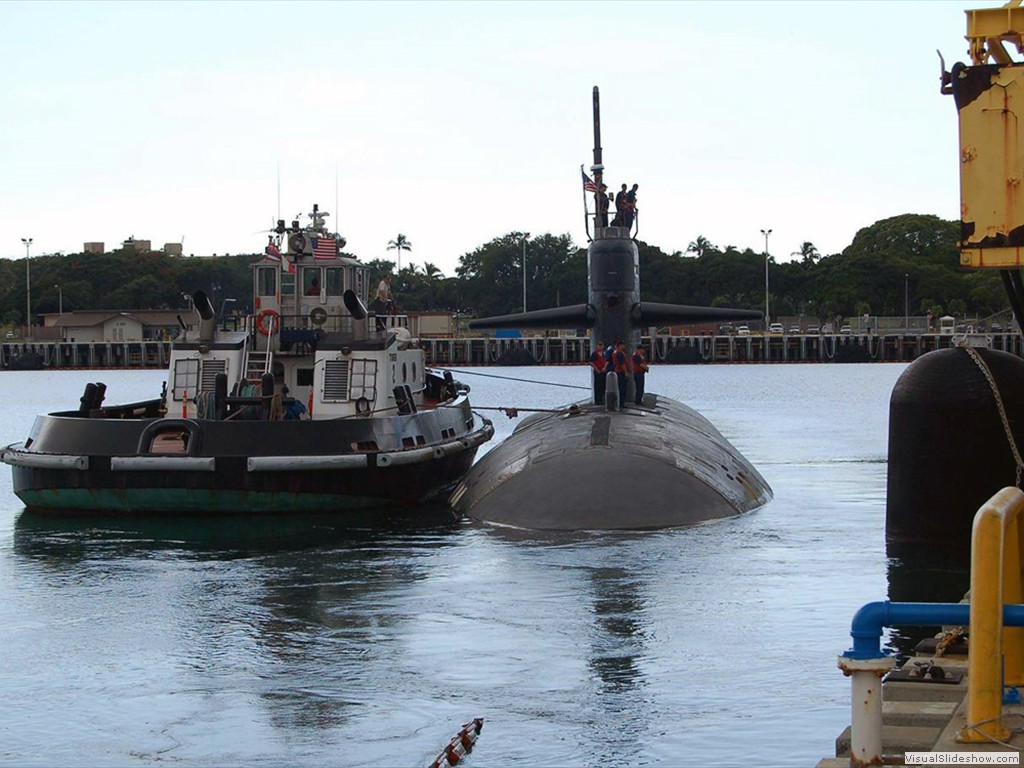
x=681, y=470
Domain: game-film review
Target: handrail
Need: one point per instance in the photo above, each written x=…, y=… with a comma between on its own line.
x=995, y=617
x=866, y=662
x=995, y=651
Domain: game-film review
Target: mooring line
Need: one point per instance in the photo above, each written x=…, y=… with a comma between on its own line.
x=512, y=411
x=513, y=378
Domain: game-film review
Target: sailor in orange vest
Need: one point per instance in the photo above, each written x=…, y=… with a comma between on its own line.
x=620, y=363
x=600, y=366
x=640, y=367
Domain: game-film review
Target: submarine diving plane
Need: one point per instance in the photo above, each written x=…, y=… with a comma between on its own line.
x=553, y=471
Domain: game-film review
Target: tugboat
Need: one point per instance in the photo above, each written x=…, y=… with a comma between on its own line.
x=314, y=404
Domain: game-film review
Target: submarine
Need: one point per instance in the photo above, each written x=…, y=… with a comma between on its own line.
x=674, y=468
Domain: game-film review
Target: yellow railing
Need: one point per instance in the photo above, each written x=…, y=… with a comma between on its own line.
x=996, y=653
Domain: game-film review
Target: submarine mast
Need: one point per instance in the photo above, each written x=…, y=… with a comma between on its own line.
x=597, y=168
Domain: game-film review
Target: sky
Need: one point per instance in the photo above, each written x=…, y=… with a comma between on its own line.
x=455, y=123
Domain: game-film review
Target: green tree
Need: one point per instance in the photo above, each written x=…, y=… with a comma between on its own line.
x=699, y=246
x=400, y=243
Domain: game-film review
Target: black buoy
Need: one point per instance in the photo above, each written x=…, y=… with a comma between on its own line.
x=949, y=451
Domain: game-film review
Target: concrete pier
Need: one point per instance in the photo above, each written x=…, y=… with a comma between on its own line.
x=925, y=716
x=755, y=348
x=551, y=350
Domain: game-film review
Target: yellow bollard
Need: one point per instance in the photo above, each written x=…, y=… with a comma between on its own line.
x=1013, y=637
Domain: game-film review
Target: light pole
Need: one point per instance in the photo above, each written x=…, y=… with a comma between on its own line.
x=60, y=300
x=28, y=288
x=766, y=232
x=906, y=303
x=525, y=235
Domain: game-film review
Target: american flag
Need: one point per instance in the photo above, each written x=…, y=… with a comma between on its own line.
x=324, y=248
x=588, y=183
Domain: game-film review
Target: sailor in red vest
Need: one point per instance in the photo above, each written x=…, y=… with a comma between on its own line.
x=600, y=367
x=621, y=366
x=640, y=367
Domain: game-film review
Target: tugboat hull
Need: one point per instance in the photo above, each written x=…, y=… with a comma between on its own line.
x=109, y=465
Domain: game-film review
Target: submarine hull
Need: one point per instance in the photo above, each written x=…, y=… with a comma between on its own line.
x=661, y=465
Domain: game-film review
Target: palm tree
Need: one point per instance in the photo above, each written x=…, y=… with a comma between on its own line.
x=699, y=246
x=808, y=253
x=400, y=244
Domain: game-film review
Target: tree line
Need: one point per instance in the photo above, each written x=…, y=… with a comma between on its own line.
x=904, y=263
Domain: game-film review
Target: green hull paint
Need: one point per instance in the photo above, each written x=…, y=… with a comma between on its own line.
x=177, y=500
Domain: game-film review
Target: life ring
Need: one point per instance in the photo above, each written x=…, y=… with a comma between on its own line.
x=363, y=406
x=265, y=320
x=318, y=316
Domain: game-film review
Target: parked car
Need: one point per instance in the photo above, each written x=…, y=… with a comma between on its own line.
x=845, y=329
x=813, y=329
x=794, y=329
x=725, y=328
x=9, y=335
x=775, y=328
x=743, y=331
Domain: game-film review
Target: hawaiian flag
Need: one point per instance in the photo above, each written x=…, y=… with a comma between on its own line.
x=588, y=183
x=324, y=248
x=273, y=252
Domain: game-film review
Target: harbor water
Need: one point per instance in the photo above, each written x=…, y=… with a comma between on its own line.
x=299, y=642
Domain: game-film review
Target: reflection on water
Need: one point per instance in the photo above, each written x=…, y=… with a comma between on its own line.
x=67, y=534
x=619, y=643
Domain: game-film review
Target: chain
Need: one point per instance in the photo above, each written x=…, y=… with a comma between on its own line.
x=999, y=404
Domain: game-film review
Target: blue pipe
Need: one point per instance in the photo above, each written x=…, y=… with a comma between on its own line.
x=868, y=622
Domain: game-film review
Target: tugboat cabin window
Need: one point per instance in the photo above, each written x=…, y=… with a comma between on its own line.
x=310, y=281
x=335, y=281
x=266, y=281
x=186, y=377
x=287, y=283
x=359, y=282
x=363, y=380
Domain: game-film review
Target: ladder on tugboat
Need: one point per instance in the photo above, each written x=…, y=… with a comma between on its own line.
x=259, y=361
